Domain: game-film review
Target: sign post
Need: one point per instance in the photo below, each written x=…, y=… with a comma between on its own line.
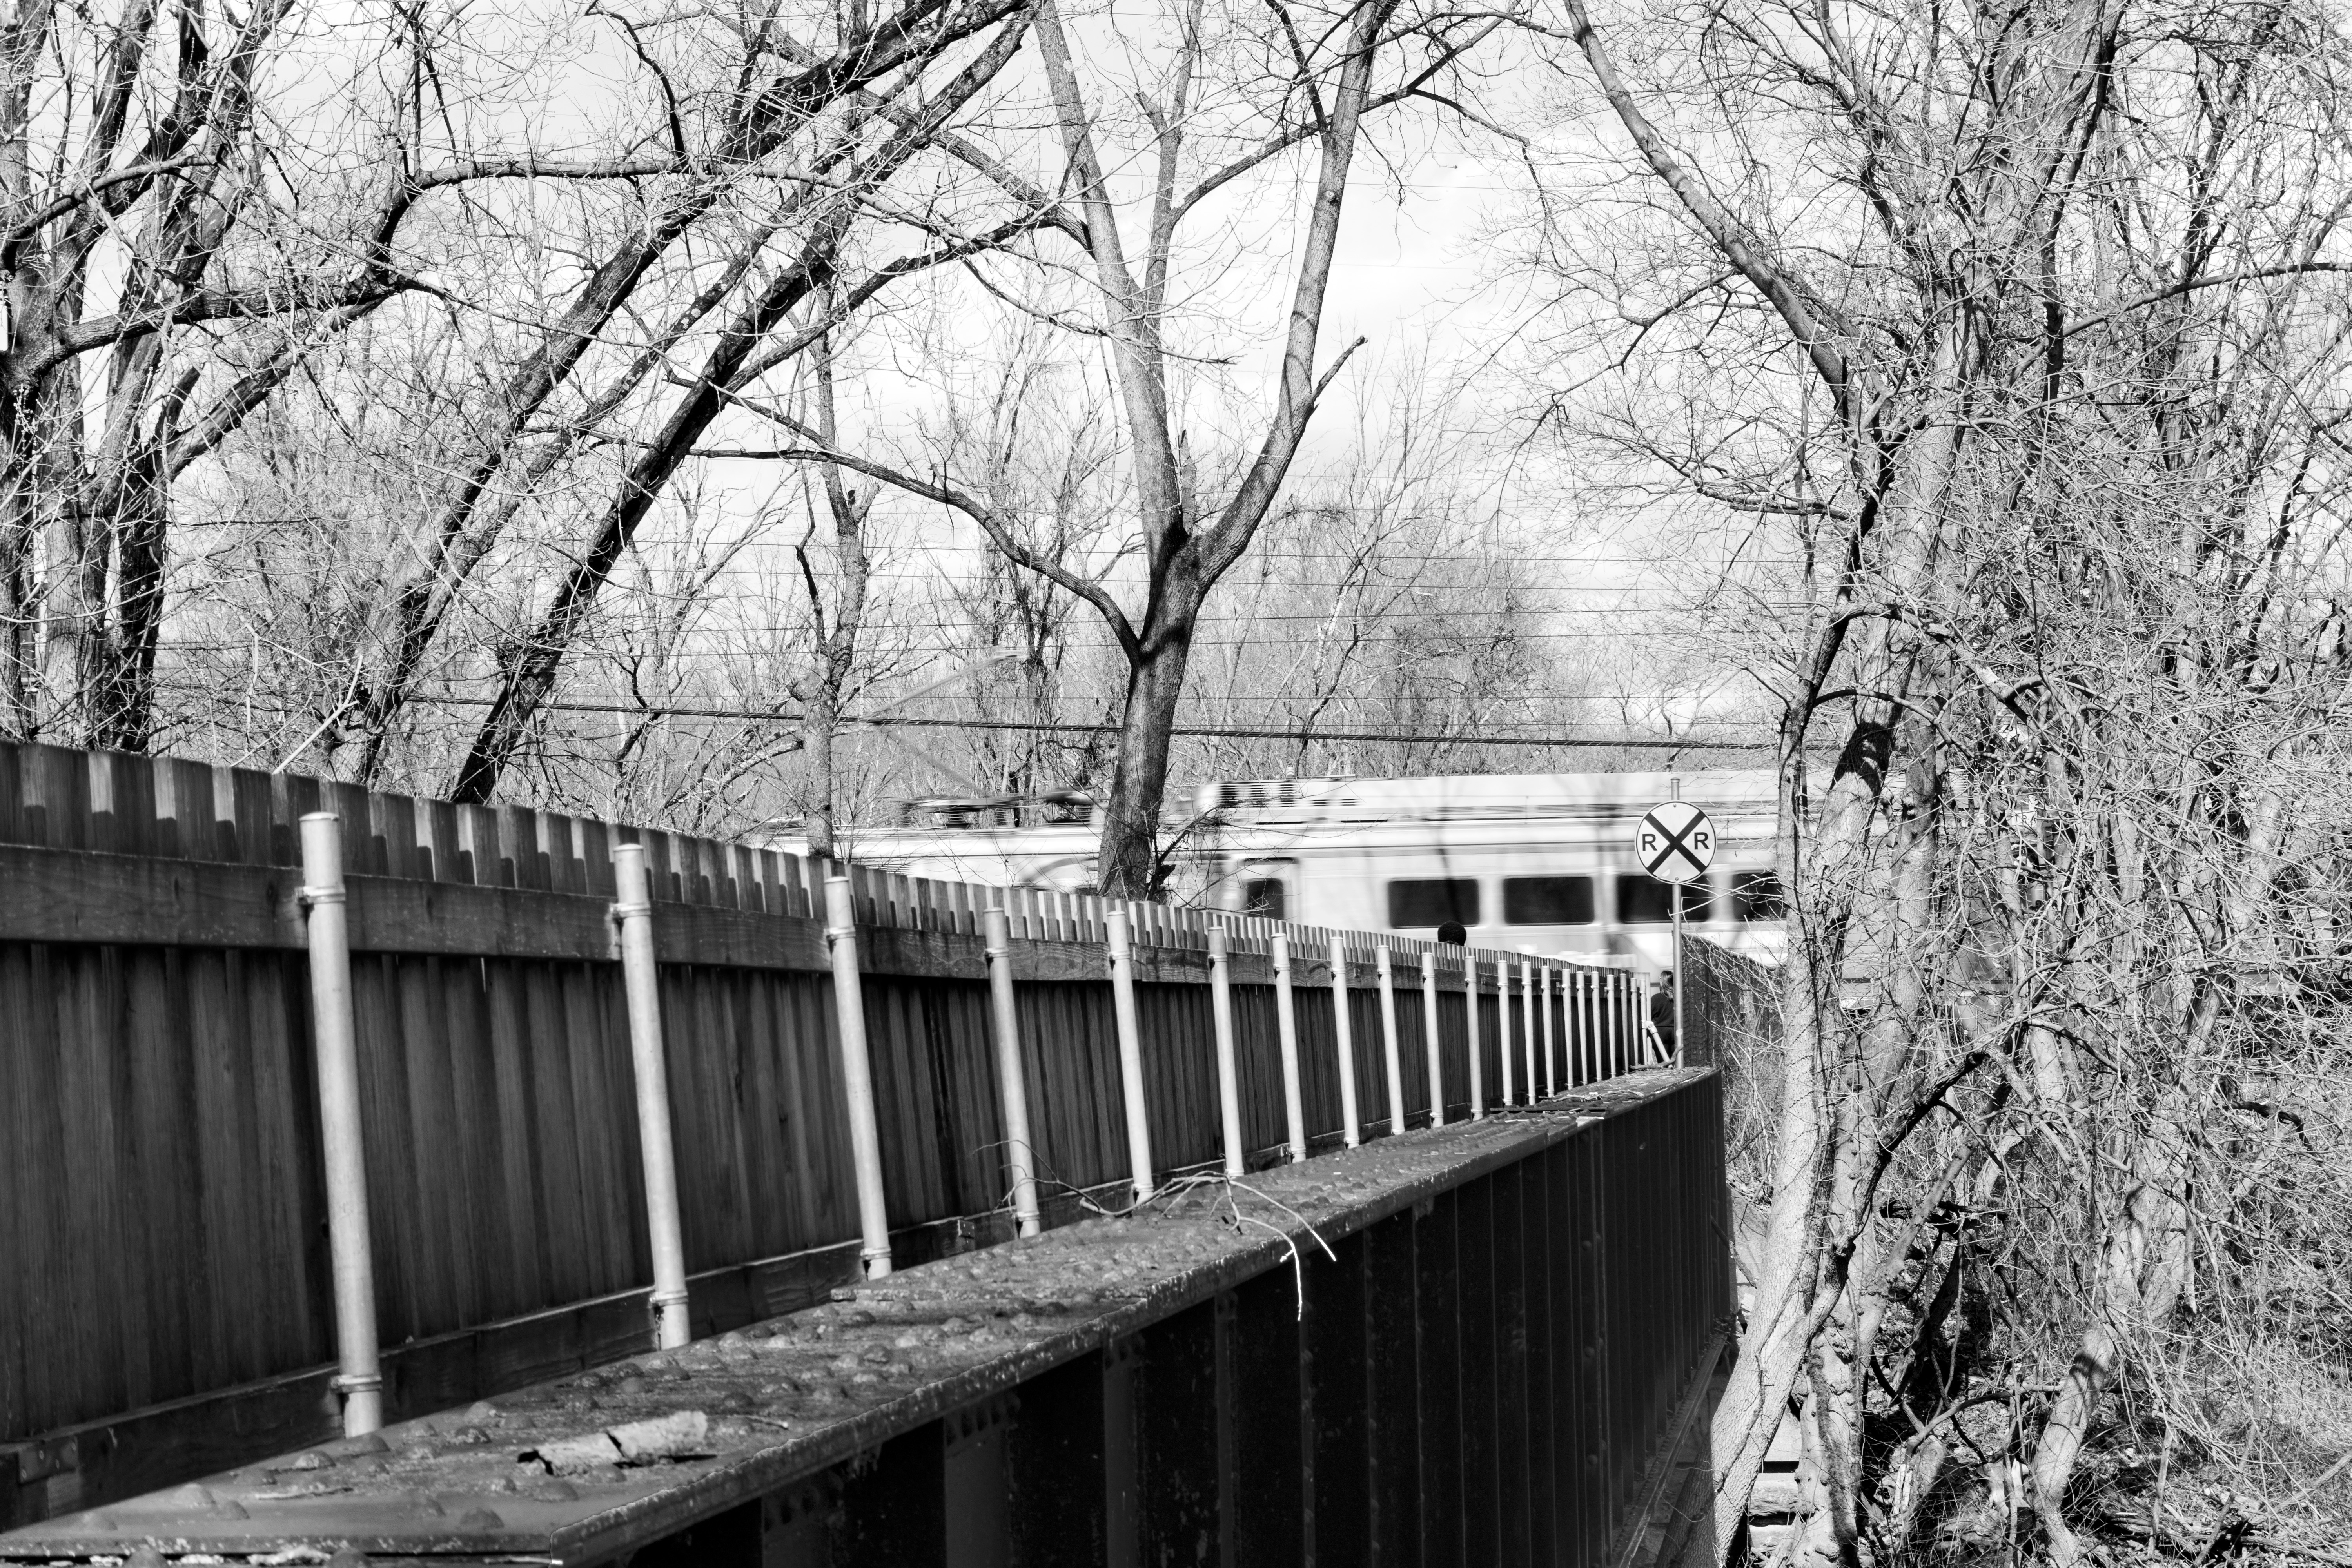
x=1675, y=842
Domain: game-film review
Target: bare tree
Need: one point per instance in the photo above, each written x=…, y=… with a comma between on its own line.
x=1301, y=88
x=823, y=689
x=146, y=227
x=855, y=165
x=2008, y=339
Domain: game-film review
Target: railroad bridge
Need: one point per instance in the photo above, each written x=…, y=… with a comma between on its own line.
x=391, y=1181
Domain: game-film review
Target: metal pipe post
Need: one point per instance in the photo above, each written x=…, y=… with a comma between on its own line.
x=1012, y=1078
x=1352, y=1124
x=1593, y=1045
x=1130, y=1051
x=1429, y=1038
x=1678, y=977
x=1503, y=1027
x=1285, y=1019
x=1600, y=1069
x=858, y=1075
x=1478, y=1065
x=1600, y=1047
x=1229, y=1080
x=1609, y=1037
x=1617, y=1022
x=1635, y=1016
x=1643, y=1047
x=1608, y=1001
x=1551, y=1040
x=1392, y=1054
x=1586, y=1065
x=1572, y=989
x=1528, y=1021
x=335, y=1040
x=633, y=912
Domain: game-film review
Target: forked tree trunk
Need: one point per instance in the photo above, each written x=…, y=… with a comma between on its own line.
x=1188, y=546
x=1131, y=838
x=1772, y=1349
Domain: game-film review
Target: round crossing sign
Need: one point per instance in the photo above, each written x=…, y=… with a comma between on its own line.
x=1675, y=841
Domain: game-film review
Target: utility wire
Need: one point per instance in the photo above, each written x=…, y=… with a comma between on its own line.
x=1217, y=732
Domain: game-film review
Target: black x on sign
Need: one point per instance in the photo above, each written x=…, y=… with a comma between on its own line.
x=1675, y=842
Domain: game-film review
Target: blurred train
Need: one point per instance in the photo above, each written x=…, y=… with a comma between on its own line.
x=1535, y=862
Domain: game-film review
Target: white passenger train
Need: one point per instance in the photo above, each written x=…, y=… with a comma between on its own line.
x=1536, y=862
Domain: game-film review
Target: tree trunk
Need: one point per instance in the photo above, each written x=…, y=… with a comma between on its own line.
x=820, y=719
x=124, y=701
x=16, y=613
x=821, y=699
x=1773, y=1348
x=2143, y=1269
x=1129, y=865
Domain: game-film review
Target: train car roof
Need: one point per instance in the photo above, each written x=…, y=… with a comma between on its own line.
x=1488, y=795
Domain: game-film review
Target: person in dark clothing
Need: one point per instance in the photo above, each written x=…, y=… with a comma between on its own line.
x=1662, y=1015
x=1454, y=934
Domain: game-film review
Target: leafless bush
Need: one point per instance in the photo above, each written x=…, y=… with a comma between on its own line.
x=2009, y=346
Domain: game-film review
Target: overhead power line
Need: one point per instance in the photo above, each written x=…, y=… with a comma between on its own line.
x=1209, y=731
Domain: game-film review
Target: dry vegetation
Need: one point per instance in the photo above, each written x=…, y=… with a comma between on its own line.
x=2010, y=345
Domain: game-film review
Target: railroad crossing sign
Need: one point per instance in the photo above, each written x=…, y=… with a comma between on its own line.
x=1675, y=842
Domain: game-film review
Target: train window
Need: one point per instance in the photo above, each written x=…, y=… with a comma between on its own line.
x=1548, y=901
x=1755, y=895
x=1431, y=902
x=1266, y=896
x=1643, y=900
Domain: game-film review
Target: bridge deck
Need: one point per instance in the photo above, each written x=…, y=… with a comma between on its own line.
x=606, y=1462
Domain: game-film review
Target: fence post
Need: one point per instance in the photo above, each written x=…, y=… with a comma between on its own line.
x=1130, y=1050
x=1645, y=1038
x=1571, y=983
x=1012, y=1081
x=1589, y=1002
x=1344, y=1026
x=1616, y=1022
x=1428, y=1037
x=1631, y=1021
x=1503, y=1028
x=633, y=912
x=1597, y=1002
x=1552, y=1042
x=1285, y=1019
x=1630, y=999
x=1221, y=1011
x=360, y=1374
x=857, y=1074
x=1470, y=1029
x=1604, y=1013
x=1528, y=1021
x=1390, y=1056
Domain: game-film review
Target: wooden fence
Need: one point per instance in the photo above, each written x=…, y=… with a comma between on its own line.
x=165, y=1304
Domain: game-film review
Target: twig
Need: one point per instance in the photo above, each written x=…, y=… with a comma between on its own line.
x=2326, y=1476
x=2267, y=1543
x=1289, y=1242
